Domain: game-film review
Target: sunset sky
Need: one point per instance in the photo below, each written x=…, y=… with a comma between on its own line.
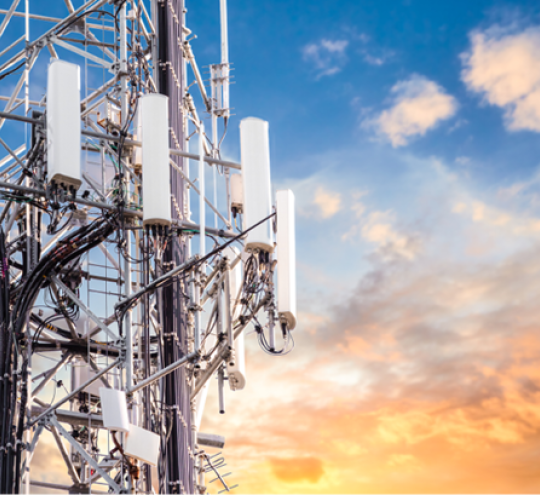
x=409, y=133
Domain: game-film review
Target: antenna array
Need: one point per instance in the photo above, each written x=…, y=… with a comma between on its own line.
x=127, y=281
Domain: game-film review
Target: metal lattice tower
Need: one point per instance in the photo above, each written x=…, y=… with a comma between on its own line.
x=113, y=321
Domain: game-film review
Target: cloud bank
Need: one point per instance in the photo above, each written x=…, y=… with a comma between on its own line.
x=425, y=371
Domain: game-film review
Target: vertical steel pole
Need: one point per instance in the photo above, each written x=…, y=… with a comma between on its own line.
x=128, y=322
x=124, y=124
x=123, y=65
x=202, y=206
x=214, y=74
x=224, y=52
x=32, y=256
x=169, y=69
x=225, y=85
x=197, y=303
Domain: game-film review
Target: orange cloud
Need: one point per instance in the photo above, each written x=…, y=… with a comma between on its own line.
x=297, y=469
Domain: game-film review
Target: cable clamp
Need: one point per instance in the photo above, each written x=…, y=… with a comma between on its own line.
x=18, y=442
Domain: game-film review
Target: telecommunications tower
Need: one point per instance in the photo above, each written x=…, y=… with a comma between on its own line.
x=131, y=263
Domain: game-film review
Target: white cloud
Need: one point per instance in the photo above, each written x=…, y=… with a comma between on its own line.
x=376, y=55
x=329, y=202
x=418, y=105
x=505, y=68
x=372, y=60
x=317, y=196
x=337, y=46
x=327, y=56
x=377, y=227
x=379, y=230
x=492, y=216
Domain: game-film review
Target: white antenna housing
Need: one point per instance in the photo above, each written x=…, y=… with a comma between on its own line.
x=81, y=374
x=255, y=151
x=236, y=372
x=143, y=445
x=237, y=192
x=64, y=124
x=155, y=159
x=137, y=150
x=114, y=409
x=286, y=257
x=200, y=403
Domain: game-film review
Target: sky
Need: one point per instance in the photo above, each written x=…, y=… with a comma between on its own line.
x=408, y=131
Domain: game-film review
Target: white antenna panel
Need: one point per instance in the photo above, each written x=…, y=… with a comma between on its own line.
x=81, y=374
x=143, y=445
x=236, y=372
x=237, y=192
x=235, y=276
x=155, y=160
x=286, y=257
x=114, y=409
x=137, y=150
x=200, y=398
x=255, y=151
x=200, y=402
x=64, y=124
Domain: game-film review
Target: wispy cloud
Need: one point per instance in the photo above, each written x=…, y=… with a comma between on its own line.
x=513, y=225
x=378, y=229
x=326, y=56
x=504, y=67
x=373, y=60
x=417, y=105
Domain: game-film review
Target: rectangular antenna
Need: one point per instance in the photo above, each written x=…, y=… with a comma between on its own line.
x=286, y=256
x=64, y=124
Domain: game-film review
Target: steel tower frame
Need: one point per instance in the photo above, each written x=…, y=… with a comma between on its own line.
x=88, y=296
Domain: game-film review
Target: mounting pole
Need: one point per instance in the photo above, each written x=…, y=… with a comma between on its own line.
x=202, y=188
x=123, y=65
x=224, y=51
x=169, y=70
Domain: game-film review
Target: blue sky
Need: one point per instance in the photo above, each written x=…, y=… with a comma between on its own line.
x=386, y=42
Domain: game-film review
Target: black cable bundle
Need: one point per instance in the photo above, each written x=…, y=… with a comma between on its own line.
x=70, y=248
x=5, y=341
